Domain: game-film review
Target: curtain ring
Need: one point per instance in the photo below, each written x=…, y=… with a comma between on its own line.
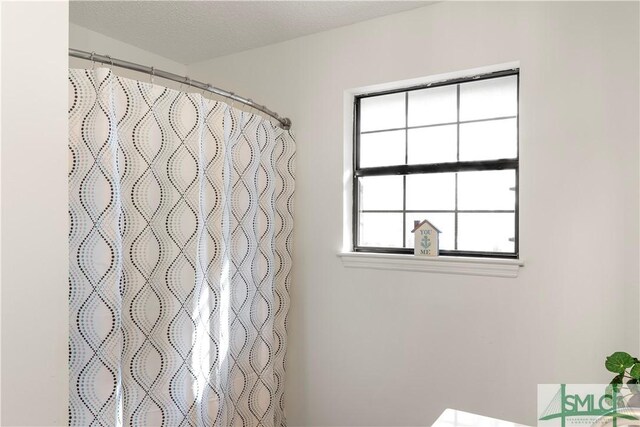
x=93, y=62
x=111, y=61
x=152, y=74
x=232, y=97
x=182, y=82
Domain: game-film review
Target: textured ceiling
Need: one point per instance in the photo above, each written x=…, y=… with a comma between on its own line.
x=193, y=31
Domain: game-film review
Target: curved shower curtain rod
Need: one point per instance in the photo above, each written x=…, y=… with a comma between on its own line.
x=283, y=122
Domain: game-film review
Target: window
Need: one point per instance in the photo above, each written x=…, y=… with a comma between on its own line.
x=446, y=152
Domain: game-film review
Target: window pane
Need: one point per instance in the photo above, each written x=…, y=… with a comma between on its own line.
x=381, y=193
x=487, y=190
x=434, y=191
x=489, y=98
x=496, y=139
x=382, y=112
x=433, y=145
x=445, y=222
x=433, y=106
x=487, y=232
x=381, y=229
x=382, y=149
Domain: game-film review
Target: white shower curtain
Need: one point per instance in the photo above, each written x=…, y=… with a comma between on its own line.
x=180, y=257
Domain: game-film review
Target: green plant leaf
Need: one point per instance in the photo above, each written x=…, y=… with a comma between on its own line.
x=618, y=362
x=635, y=371
x=613, y=388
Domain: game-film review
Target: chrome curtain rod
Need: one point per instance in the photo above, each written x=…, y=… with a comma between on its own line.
x=284, y=122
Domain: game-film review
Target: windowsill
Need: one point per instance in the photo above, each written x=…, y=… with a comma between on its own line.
x=494, y=267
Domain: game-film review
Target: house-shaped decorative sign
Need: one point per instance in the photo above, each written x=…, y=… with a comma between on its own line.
x=425, y=238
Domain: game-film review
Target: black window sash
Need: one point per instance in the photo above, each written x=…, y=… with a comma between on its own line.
x=458, y=166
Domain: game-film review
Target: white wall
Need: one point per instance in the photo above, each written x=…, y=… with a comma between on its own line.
x=372, y=347
x=395, y=348
x=34, y=214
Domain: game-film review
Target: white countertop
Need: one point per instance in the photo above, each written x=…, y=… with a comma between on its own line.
x=454, y=418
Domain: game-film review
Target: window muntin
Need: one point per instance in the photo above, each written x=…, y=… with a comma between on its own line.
x=447, y=152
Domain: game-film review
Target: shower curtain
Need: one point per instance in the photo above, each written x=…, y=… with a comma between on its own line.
x=180, y=257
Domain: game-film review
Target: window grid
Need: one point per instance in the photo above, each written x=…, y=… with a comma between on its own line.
x=406, y=169
x=455, y=216
x=404, y=177
x=462, y=122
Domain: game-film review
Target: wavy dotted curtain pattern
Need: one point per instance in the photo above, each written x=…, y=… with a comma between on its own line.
x=180, y=257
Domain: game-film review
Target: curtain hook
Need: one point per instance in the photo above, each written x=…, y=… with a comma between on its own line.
x=182, y=82
x=111, y=61
x=153, y=71
x=93, y=62
x=233, y=99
